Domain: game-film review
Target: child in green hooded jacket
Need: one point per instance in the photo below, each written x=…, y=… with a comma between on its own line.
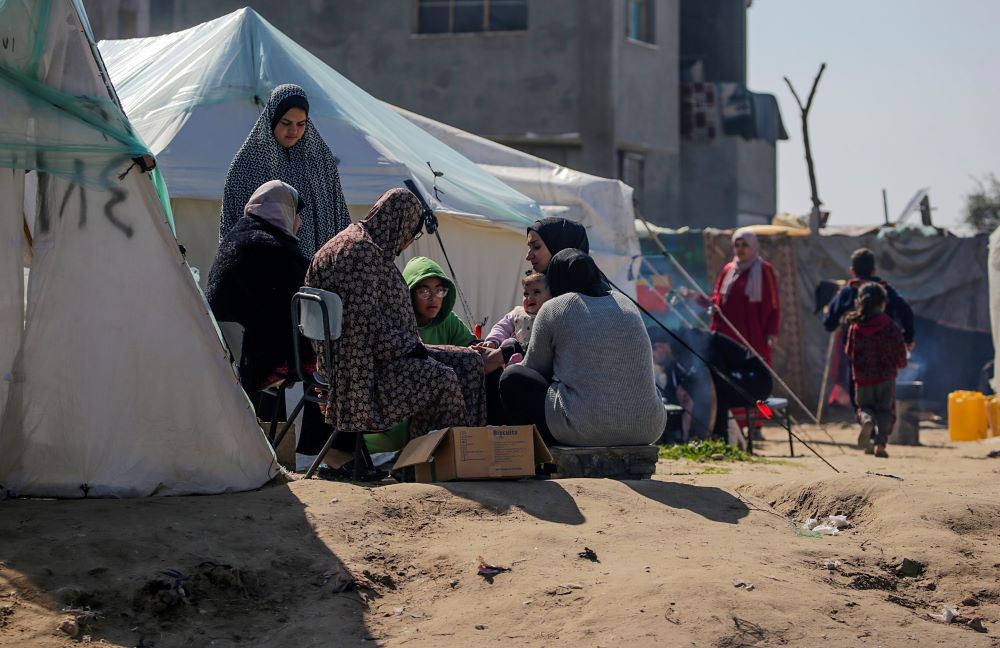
x=433, y=295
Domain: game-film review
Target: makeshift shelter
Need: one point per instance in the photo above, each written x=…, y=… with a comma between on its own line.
x=194, y=96
x=115, y=382
x=943, y=277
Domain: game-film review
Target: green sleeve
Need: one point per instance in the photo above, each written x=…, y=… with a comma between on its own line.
x=458, y=333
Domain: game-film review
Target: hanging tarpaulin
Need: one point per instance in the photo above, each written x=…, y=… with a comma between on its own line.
x=78, y=133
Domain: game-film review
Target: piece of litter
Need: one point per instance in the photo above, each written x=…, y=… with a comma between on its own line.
x=838, y=521
x=810, y=524
x=947, y=615
x=488, y=571
x=334, y=500
x=826, y=529
x=588, y=554
x=572, y=586
x=480, y=626
x=738, y=584
x=831, y=564
x=976, y=624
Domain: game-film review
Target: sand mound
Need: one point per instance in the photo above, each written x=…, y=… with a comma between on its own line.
x=695, y=557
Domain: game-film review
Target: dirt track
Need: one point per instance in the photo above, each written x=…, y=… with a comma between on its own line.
x=677, y=558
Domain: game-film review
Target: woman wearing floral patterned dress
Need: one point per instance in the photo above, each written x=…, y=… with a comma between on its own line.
x=382, y=373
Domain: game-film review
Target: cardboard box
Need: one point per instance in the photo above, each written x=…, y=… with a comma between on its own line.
x=459, y=453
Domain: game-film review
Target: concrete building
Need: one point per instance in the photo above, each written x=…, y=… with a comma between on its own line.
x=591, y=84
x=729, y=176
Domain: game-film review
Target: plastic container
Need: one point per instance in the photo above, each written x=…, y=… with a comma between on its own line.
x=966, y=416
x=993, y=414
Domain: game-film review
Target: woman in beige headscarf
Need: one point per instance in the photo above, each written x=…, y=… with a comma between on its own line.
x=382, y=373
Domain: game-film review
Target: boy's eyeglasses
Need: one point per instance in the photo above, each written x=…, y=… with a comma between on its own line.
x=424, y=292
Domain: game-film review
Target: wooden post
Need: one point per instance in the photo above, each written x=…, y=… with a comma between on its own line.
x=804, y=111
x=885, y=206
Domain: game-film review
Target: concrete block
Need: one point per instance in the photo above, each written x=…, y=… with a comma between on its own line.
x=613, y=462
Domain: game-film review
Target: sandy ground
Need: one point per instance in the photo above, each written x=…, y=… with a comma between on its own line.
x=677, y=558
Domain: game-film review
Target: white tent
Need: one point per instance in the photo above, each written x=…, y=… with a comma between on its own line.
x=114, y=378
x=993, y=274
x=602, y=205
x=195, y=94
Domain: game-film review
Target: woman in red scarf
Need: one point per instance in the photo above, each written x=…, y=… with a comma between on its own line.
x=746, y=293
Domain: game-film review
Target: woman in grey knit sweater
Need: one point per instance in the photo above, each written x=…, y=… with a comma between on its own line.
x=587, y=378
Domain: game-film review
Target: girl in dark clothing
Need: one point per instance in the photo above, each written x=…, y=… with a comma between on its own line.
x=876, y=350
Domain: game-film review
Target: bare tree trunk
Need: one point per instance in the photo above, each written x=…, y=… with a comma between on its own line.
x=804, y=111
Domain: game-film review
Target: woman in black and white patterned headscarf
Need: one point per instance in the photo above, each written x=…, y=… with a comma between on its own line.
x=284, y=145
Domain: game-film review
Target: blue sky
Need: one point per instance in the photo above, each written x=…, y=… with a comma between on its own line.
x=910, y=98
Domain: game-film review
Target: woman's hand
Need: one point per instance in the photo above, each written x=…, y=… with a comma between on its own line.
x=492, y=358
x=486, y=345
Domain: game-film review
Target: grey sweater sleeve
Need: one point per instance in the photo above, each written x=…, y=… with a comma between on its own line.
x=541, y=347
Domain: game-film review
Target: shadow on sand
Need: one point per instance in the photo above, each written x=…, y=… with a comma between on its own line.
x=241, y=569
x=707, y=501
x=545, y=500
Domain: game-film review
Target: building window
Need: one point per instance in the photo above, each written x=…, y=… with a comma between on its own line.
x=631, y=171
x=640, y=20
x=464, y=16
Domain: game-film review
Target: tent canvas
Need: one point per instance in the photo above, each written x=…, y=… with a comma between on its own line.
x=195, y=94
x=115, y=381
x=602, y=205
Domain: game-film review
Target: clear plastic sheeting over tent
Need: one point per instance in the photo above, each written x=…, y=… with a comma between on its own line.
x=602, y=205
x=113, y=379
x=194, y=95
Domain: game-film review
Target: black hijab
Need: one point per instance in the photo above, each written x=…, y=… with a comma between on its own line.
x=559, y=234
x=573, y=271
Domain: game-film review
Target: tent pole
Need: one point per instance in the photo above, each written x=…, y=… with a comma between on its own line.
x=826, y=375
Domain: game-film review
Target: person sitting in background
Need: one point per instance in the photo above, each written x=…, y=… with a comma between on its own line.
x=737, y=377
x=573, y=395
x=513, y=332
x=877, y=352
x=432, y=293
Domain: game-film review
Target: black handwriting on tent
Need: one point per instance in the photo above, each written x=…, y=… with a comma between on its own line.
x=78, y=171
x=117, y=196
